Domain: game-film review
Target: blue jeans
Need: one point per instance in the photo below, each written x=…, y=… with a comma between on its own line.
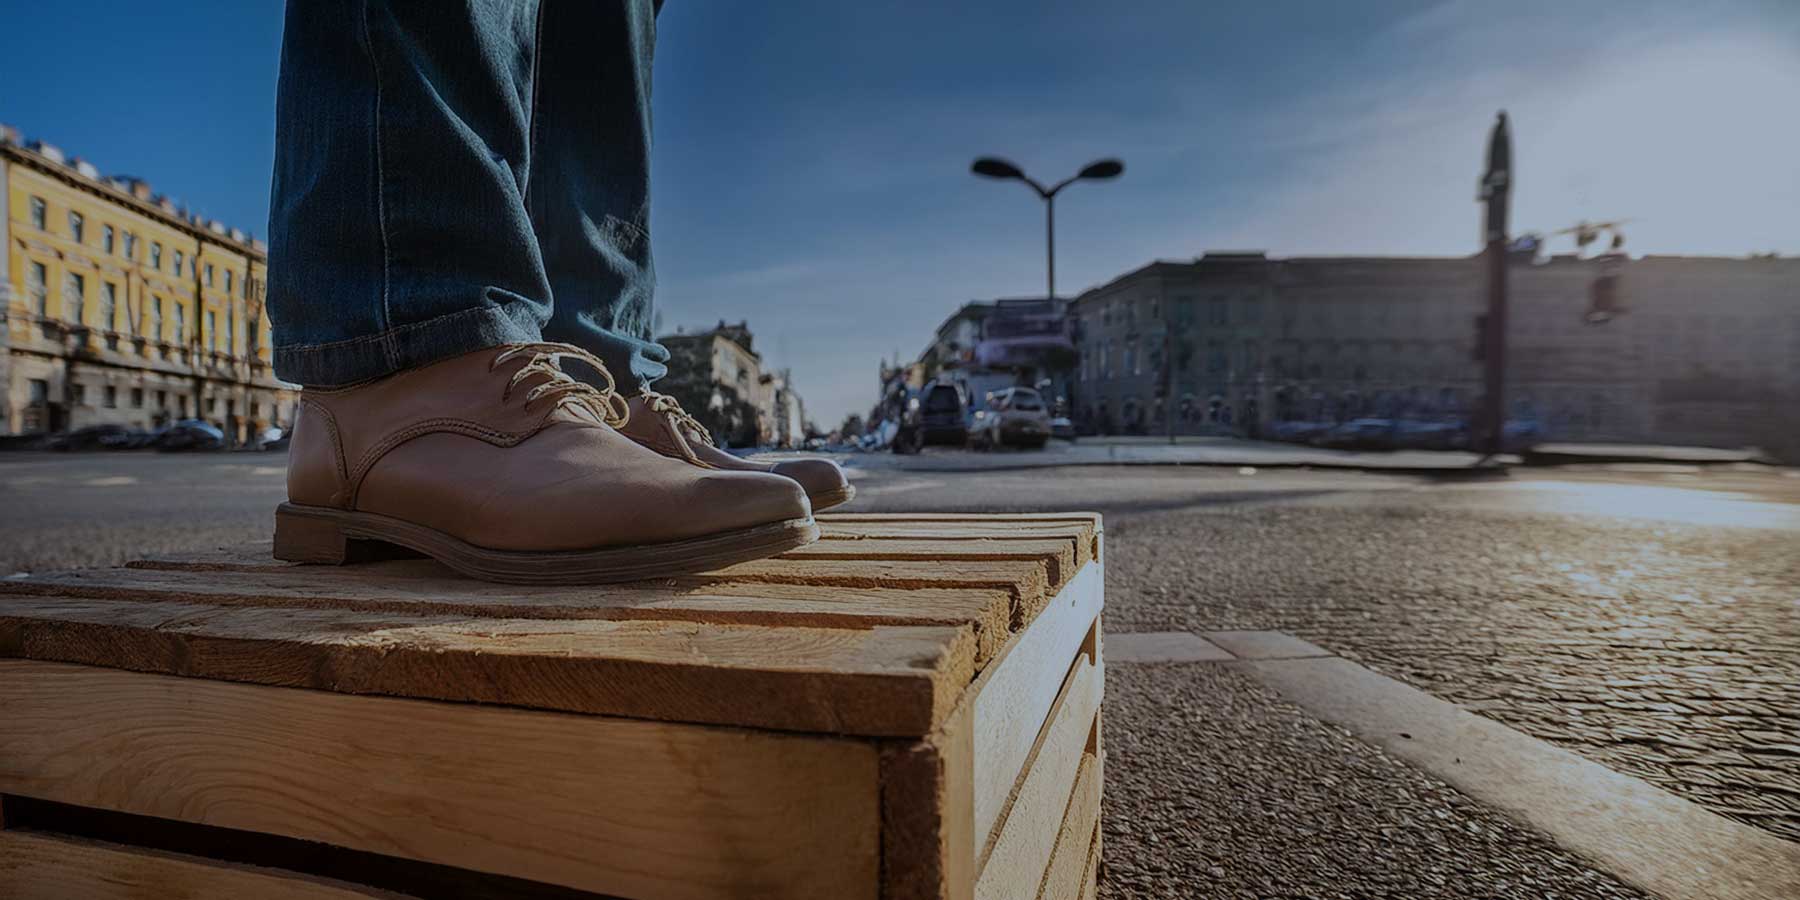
x=454, y=176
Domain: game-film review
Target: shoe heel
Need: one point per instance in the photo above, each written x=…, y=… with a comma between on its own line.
x=305, y=539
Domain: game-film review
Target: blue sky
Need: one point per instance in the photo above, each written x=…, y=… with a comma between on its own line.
x=811, y=159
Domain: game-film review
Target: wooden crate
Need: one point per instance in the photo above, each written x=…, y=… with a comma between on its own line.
x=908, y=708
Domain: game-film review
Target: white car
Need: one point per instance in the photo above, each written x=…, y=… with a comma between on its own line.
x=1013, y=417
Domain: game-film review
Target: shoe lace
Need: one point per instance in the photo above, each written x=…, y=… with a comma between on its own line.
x=671, y=407
x=604, y=401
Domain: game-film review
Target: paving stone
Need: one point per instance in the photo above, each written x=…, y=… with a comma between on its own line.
x=1162, y=647
x=1264, y=645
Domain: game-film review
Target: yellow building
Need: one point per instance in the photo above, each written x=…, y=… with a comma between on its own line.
x=121, y=309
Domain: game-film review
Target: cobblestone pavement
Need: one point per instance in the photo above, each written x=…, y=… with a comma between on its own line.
x=1216, y=788
x=1669, y=652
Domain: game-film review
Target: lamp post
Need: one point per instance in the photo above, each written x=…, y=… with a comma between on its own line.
x=1098, y=170
x=994, y=167
x=1495, y=192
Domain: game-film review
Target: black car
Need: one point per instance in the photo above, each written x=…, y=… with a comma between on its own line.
x=189, y=434
x=97, y=437
x=942, y=416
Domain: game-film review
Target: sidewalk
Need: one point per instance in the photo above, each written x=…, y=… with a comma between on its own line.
x=1418, y=799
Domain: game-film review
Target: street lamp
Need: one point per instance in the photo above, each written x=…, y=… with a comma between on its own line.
x=994, y=167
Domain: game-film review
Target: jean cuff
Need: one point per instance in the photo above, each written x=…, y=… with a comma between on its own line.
x=340, y=363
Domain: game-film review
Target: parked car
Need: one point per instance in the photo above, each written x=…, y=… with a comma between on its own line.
x=1298, y=431
x=1014, y=416
x=1431, y=434
x=1061, y=427
x=97, y=437
x=274, y=438
x=189, y=434
x=938, y=414
x=1360, y=434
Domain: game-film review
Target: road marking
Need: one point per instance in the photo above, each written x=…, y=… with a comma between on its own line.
x=110, y=481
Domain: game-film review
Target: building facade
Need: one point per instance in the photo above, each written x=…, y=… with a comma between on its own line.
x=120, y=309
x=987, y=345
x=720, y=378
x=1706, y=350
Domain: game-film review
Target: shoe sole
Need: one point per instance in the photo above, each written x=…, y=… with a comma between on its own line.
x=836, y=497
x=321, y=535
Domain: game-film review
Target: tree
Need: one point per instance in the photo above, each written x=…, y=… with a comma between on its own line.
x=852, y=427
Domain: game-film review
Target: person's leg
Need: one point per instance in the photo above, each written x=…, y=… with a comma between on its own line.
x=398, y=232
x=406, y=268
x=589, y=190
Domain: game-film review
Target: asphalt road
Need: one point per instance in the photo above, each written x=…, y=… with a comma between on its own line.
x=1646, y=616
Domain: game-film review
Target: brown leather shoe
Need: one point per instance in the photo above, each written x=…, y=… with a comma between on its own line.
x=657, y=421
x=501, y=466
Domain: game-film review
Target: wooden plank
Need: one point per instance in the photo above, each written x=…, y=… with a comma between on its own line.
x=416, y=586
x=927, y=814
x=1066, y=876
x=1014, y=694
x=37, y=866
x=1083, y=528
x=1093, y=518
x=1059, y=556
x=1090, y=888
x=849, y=530
x=617, y=806
x=1025, y=582
x=1019, y=853
x=897, y=681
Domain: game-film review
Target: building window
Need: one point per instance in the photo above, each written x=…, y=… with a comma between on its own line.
x=209, y=274
x=162, y=400
x=1131, y=358
x=253, y=337
x=180, y=324
x=137, y=398
x=231, y=329
x=109, y=397
x=155, y=255
x=1218, y=312
x=212, y=331
x=106, y=238
x=180, y=263
x=40, y=392
x=228, y=274
x=74, y=296
x=130, y=245
x=37, y=285
x=80, y=394
x=156, y=318
x=77, y=226
x=38, y=213
x=109, y=304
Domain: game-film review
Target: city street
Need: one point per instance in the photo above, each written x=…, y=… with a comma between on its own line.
x=1646, y=617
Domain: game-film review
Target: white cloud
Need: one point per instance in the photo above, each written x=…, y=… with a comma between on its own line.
x=1682, y=129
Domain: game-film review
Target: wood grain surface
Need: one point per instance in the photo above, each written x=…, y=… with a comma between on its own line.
x=616, y=806
x=875, y=631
